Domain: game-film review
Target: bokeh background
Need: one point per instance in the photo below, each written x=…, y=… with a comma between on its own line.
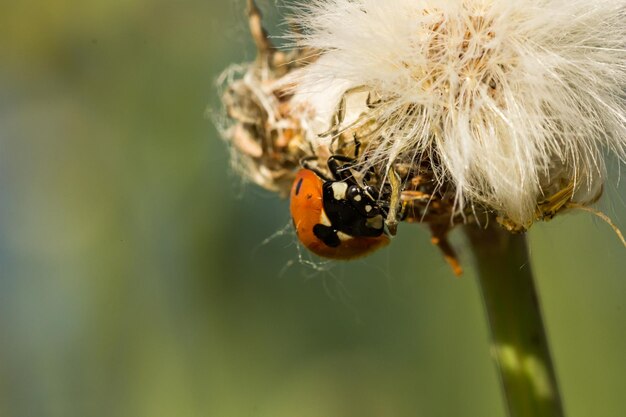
x=137, y=273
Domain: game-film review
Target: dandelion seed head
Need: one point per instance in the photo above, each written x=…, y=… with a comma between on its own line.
x=513, y=100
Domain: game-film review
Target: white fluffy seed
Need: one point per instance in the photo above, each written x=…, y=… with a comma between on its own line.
x=512, y=98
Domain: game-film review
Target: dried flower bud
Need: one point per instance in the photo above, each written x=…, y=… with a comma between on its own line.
x=471, y=105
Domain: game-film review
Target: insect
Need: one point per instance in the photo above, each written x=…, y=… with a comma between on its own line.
x=337, y=217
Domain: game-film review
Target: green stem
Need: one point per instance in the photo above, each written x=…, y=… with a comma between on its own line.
x=518, y=338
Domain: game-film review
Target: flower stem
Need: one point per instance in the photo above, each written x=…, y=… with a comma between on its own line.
x=518, y=337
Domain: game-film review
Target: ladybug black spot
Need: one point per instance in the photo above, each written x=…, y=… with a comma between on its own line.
x=327, y=235
x=298, y=186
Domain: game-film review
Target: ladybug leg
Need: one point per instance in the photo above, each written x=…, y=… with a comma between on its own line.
x=341, y=168
x=307, y=163
x=342, y=146
x=341, y=158
x=336, y=168
x=340, y=171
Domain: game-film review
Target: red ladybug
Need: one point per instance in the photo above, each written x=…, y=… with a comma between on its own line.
x=336, y=217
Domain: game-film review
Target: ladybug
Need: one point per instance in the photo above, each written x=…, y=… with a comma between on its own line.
x=337, y=217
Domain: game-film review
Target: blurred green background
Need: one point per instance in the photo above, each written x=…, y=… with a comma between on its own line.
x=135, y=279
